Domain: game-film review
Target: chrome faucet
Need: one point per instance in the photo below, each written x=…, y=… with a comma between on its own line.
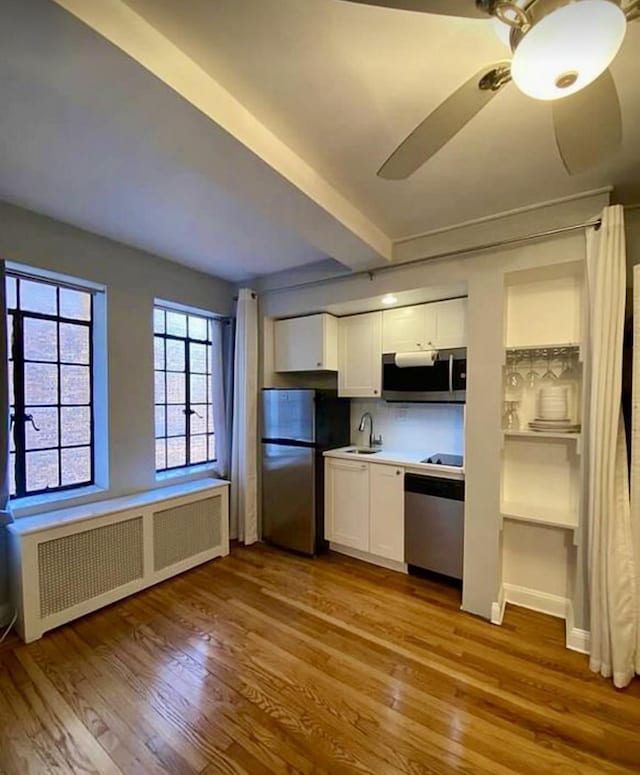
x=373, y=442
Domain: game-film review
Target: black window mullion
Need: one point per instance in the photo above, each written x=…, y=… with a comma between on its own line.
x=59, y=396
x=19, y=433
x=187, y=387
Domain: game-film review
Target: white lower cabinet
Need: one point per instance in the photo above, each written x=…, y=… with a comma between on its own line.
x=364, y=507
x=386, y=513
x=347, y=503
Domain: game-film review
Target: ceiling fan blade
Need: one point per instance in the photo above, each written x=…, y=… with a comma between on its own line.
x=588, y=125
x=445, y=122
x=465, y=8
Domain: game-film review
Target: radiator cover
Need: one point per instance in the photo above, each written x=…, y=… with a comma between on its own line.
x=68, y=563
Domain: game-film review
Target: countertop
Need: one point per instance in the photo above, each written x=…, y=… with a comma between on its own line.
x=397, y=457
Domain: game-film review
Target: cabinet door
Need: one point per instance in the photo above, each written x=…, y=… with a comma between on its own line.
x=451, y=323
x=347, y=503
x=403, y=329
x=386, y=493
x=360, y=355
x=306, y=344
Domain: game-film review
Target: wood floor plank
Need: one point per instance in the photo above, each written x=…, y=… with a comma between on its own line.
x=266, y=662
x=440, y=717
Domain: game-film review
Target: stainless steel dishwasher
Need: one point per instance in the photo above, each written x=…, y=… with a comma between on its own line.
x=434, y=524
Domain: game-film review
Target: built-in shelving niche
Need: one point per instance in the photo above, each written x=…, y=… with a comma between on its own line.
x=542, y=471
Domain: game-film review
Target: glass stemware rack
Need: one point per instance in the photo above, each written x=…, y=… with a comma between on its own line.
x=542, y=391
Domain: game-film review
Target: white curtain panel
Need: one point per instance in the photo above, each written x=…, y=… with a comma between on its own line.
x=219, y=397
x=612, y=563
x=244, y=465
x=635, y=448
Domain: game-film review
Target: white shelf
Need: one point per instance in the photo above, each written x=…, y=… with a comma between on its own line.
x=542, y=435
x=542, y=346
x=540, y=515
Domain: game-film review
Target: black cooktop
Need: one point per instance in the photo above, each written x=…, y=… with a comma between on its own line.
x=442, y=459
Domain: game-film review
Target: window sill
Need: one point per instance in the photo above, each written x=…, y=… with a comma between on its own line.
x=187, y=472
x=34, y=504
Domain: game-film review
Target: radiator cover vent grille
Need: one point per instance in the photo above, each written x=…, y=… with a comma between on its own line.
x=81, y=566
x=184, y=531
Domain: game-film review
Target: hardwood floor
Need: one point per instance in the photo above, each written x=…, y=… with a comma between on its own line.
x=264, y=662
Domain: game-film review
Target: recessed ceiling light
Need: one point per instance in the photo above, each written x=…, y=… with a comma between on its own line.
x=389, y=298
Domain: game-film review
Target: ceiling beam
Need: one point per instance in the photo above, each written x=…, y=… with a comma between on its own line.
x=312, y=207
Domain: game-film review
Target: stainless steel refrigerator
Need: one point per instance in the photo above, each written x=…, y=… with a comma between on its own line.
x=298, y=426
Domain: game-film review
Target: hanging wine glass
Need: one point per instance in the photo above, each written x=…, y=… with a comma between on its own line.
x=513, y=378
x=571, y=370
x=532, y=375
x=549, y=375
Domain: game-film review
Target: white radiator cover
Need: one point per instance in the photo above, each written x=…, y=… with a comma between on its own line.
x=67, y=563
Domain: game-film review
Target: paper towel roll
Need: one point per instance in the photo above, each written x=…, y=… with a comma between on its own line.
x=418, y=358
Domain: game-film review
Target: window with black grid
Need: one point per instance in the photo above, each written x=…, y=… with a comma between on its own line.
x=183, y=402
x=50, y=329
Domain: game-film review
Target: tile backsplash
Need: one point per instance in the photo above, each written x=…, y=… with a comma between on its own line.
x=424, y=428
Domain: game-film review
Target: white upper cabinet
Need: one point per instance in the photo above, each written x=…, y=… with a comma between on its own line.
x=306, y=344
x=347, y=503
x=451, y=327
x=408, y=328
x=440, y=324
x=360, y=355
x=386, y=515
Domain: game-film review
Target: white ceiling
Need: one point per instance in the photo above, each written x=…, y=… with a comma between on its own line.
x=242, y=137
x=403, y=299
x=342, y=84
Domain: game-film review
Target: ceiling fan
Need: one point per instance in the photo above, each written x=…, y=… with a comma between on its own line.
x=561, y=51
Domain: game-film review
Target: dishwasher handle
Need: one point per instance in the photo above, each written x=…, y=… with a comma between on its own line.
x=453, y=489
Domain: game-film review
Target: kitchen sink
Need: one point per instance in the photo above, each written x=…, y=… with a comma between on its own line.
x=363, y=451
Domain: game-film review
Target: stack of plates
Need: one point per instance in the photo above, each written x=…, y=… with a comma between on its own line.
x=553, y=404
x=559, y=426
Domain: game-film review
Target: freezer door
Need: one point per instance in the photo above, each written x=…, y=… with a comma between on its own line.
x=288, y=497
x=289, y=414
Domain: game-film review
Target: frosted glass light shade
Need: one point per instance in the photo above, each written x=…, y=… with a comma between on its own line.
x=568, y=49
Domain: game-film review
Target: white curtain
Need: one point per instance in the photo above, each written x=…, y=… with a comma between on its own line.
x=635, y=448
x=5, y=507
x=244, y=463
x=612, y=564
x=221, y=395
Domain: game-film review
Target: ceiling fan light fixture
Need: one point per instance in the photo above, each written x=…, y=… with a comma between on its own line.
x=568, y=49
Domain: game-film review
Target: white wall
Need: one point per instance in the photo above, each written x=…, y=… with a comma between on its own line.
x=426, y=428
x=132, y=279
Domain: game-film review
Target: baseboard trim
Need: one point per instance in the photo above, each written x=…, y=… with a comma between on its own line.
x=544, y=602
x=575, y=638
x=358, y=554
x=497, y=607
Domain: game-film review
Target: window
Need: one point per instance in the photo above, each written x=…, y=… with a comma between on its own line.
x=184, y=413
x=50, y=329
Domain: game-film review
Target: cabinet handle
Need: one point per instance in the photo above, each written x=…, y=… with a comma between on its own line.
x=398, y=473
x=375, y=392
x=363, y=466
x=319, y=363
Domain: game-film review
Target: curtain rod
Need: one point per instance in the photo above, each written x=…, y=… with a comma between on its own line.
x=447, y=254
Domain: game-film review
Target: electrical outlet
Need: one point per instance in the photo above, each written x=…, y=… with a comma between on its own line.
x=401, y=413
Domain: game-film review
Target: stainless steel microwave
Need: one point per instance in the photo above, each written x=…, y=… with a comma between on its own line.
x=445, y=381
